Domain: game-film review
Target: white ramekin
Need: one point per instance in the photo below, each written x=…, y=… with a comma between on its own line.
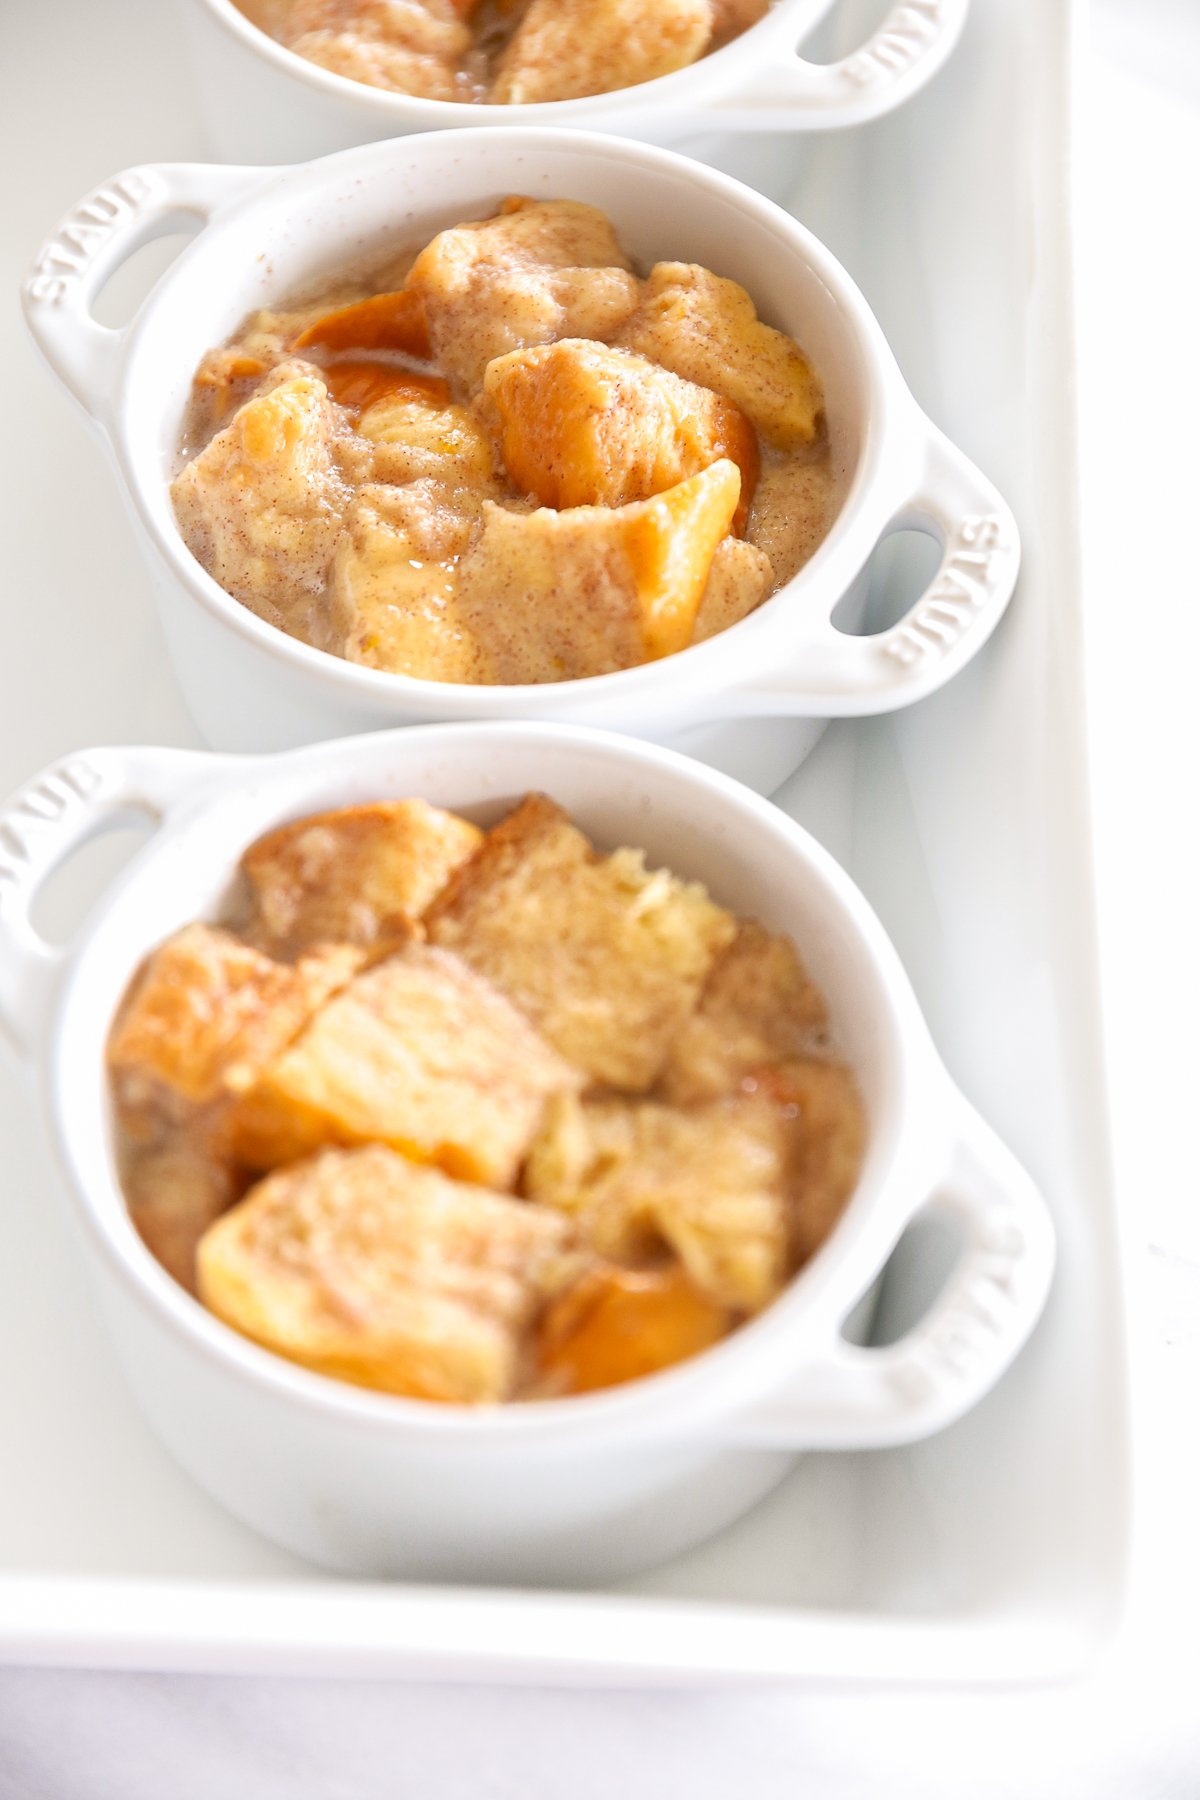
x=262, y=103
x=752, y=699
x=574, y=1489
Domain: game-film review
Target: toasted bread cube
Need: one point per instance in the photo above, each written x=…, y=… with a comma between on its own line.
x=205, y=1015
x=536, y=271
x=606, y=957
x=553, y=596
x=739, y=580
x=175, y=1189
x=419, y=1053
x=362, y=1266
x=394, y=586
x=615, y=1325
x=712, y=1183
x=758, y=1007
x=707, y=330
x=583, y=425
x=827, y=1135
x=261, y=505
x=360, y=875
x=795, y=504
x=597, y=46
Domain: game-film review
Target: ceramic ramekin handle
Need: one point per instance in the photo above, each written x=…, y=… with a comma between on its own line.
x=836, y=674
x=52, y=815
x=912, y=43
x=91, y=243
x=867, y=1398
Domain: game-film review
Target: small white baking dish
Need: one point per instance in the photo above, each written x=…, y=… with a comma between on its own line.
x=753, y=699
x=581, y=1489
x=262, y=103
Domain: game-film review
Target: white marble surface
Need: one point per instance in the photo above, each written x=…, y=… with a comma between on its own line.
x=1132, y=1730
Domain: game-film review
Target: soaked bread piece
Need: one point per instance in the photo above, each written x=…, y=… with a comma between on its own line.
x=606, y=957
x=405, y=46
x=360, y=1265
x=585, y=425
x=416, y=436
x=616, y=1325
x=743, y=1188
x=419, y=1053
x=206, y=1013
x=360, y=875
x=565, y=49
x=739, y=580
x=552, y=596
x=393, y=588
x=261, y=505
x=711, y=1183
x=707, y=330
x=758, y=1007
x=536, y=271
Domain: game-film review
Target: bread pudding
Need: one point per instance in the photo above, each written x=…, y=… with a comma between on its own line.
x=507, y=458
x=505, y=52
x=478, y=1116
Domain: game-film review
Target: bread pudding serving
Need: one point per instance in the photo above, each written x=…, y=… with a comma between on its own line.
x=507, y=52
x=478, y=1116
x=507, y=457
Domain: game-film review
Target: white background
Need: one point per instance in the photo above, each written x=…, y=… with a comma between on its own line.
x=1132, y=1730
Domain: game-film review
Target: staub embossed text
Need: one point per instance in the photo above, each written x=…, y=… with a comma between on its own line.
x=83, y=233
x=50, y=800
x=906, y=32
x=961, y=588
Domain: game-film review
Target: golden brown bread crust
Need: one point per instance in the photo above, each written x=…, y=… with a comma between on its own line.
x=606, y=958
x=204, y=1015
x=361, y=875
x=360, y=1265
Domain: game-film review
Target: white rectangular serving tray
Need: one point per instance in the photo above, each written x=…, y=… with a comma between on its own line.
x=995, y=1551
